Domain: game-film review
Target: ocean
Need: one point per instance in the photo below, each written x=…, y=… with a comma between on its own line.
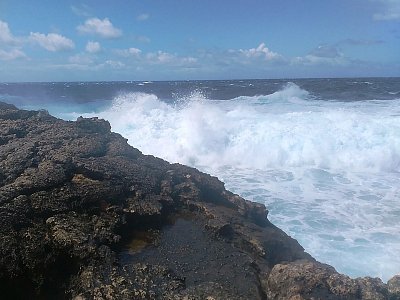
x=322, y=154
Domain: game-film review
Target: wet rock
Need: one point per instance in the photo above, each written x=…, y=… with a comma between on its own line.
x=83, y=215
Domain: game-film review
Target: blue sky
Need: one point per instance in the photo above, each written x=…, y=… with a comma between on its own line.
x=203, y=39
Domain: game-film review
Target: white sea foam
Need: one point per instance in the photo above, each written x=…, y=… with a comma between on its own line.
x=276, y=131
x=328, y=171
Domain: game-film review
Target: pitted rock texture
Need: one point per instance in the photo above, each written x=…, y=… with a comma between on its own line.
x=73, y=195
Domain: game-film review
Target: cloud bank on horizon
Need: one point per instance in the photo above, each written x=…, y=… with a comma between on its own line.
x=139, y=40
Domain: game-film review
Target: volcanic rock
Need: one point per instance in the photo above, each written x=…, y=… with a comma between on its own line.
x=83, y=215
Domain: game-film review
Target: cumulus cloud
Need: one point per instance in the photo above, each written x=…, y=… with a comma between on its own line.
x=160, y=57
x=52, y=42
x=93, y=47
x=143, y=17
x=128, y=52
x=258, y=57
x=323, y=54
x=142, y=39
x=261, y=52
x=318, y=60
x=165, y=58
x=136, y=57
x=325, y=51
x=114, y=64
x=103, y=28
x=6, y=36
x=11, y=55
x=10, y=43
x=80, y=59
x=389, y=11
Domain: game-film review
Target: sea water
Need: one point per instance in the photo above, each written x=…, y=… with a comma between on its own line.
x=322, y=154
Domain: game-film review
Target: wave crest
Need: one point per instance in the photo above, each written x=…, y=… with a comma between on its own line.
x=239, y=133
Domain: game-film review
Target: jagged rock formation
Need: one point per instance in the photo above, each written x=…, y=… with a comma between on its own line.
x=83, y=215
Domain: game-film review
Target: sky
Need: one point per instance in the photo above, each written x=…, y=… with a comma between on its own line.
x=197, y=39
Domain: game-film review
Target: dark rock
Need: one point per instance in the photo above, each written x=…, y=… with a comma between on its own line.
x=93, y=125
x=394, y=287
x=313, y=280
x=83, y=215
x=4, y=106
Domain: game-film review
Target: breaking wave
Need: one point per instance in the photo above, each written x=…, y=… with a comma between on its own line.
x=284, y=129
x=327, y=170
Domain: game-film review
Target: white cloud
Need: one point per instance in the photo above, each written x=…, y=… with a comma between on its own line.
x=85, y=63
x=387, y=16
x=103, y=28
x=390, y=10
x=9, y=41
x=322, y=55
x=261, y=52
x=114, y=64
x=80, y=59
x=259, y=57
x=318, y=60
x=81, y=10
x=93, y=47
x=189, y=60
x=136, y=57
x=142, y=39
x=11, y=55
x=326, y=51
x=161, y=57
x=52, y=41
x=6, y=36
x=129, y=52
x=143, y=17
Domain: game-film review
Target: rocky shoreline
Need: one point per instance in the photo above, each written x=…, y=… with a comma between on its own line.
x=83, y=215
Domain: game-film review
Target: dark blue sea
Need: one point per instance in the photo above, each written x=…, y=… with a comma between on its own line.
x=322, y=154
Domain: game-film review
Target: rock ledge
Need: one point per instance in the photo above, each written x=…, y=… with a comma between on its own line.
x=83, y=215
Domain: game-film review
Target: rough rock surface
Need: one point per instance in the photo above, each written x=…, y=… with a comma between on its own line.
x=83, y=215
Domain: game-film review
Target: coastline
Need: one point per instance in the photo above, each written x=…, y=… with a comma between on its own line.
x=73, y=195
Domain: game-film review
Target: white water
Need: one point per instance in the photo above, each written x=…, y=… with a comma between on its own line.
x=327, y=171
